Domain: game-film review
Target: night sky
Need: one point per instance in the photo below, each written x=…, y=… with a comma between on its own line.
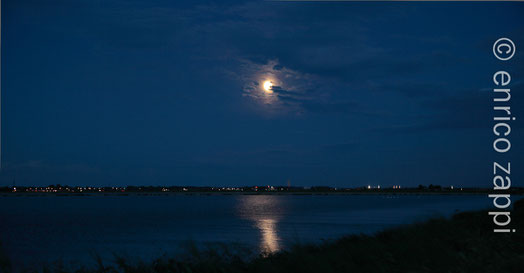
x=170, y=93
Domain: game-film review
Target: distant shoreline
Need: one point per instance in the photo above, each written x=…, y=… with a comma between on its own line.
x=24, y=194
x=65, y=190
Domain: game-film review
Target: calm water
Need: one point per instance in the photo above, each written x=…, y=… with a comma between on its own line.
x=37, y=229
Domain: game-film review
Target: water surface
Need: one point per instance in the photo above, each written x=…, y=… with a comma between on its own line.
x=39, y=229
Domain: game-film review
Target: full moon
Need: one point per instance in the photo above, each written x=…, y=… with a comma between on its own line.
x=267, y=86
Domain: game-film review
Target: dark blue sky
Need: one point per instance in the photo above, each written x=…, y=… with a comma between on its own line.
x=169, y=92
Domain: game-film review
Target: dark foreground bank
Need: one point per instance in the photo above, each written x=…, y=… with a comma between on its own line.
x=464, y=243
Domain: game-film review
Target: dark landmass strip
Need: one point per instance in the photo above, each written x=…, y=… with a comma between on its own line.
x=166, y=190
x=464, y=243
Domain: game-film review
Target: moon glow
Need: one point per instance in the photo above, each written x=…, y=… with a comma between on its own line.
x=267, y=86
